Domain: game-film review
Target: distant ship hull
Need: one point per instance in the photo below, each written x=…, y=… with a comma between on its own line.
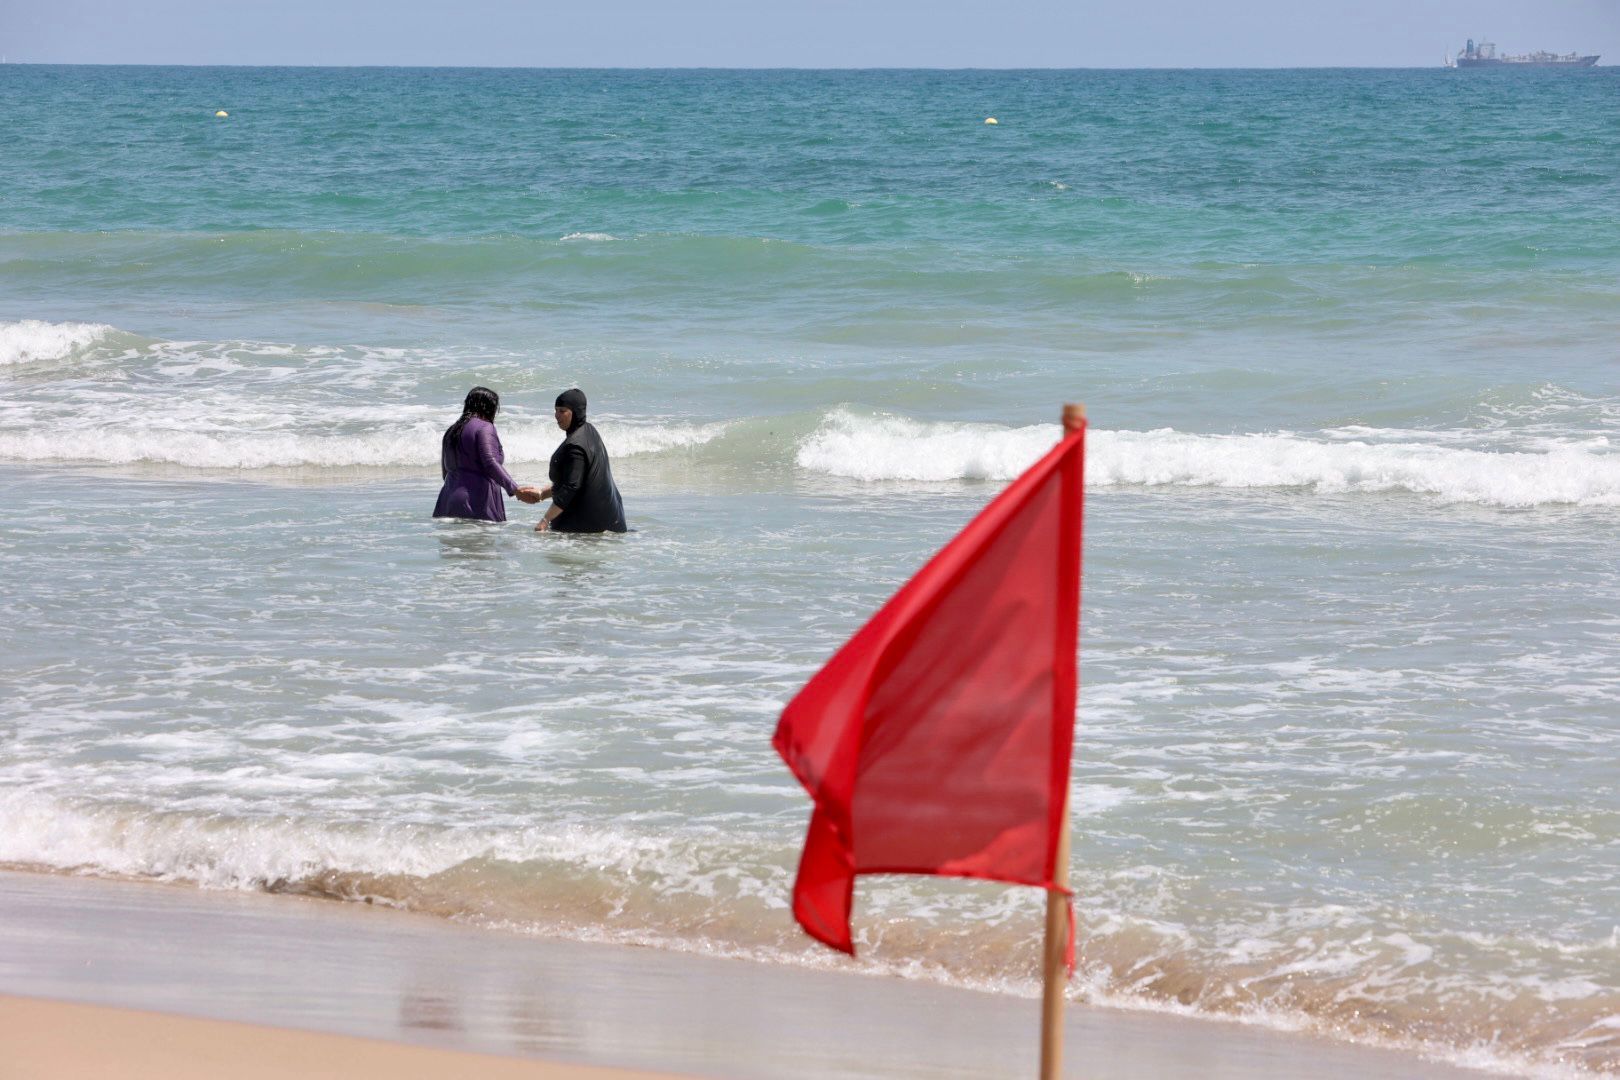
x=1497, y=62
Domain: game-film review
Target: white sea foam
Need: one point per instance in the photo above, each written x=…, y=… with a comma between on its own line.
x=625, y=439
x=896, y=448
x=598, y=237
x=261, y=442
x=666, y=889
x=32, y=339
x=222, y=450
x=243, y=853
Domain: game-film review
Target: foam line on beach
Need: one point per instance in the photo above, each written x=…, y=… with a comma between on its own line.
x=108, y=942
x=1302, y=968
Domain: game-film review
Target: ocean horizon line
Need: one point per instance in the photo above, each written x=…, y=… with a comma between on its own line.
x=711, y=68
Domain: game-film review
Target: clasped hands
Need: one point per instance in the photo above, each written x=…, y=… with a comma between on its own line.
x=530, y=494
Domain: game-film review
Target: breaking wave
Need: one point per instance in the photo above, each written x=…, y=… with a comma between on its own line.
x=228, y=405
x=895, y=448
x=30, y=340
x=262, y=406
x=411, y=445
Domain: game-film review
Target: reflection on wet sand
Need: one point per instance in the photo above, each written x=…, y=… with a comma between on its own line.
x=426, y=1010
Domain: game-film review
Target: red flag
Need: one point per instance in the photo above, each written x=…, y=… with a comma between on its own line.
x=937, y=740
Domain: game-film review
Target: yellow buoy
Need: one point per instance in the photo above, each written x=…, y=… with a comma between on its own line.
x=222, y=112
x=991, y=120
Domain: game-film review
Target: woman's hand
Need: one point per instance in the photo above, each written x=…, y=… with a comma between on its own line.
x=542, y=525
x=528, y=494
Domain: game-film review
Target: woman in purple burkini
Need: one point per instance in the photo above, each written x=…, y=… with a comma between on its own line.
x=471, y=459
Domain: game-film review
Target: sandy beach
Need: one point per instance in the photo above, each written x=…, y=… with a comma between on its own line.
x=97, y=973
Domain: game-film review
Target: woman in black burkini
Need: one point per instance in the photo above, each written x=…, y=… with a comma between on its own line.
x=583, y=497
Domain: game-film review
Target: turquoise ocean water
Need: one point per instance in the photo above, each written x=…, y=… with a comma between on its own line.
x=1350, y=708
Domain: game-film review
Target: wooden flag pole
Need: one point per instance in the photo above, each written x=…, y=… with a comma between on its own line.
x=1055, y=974
x=1054, y=969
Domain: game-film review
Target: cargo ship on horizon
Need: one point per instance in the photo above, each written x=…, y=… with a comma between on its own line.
x=1483, y=54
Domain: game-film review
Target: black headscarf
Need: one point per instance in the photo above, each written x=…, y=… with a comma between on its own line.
x=575, y=400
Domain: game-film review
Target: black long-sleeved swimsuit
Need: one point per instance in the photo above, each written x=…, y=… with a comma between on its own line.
x=582, y=484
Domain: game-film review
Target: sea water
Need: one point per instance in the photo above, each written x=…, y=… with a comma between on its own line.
x=1350, y=703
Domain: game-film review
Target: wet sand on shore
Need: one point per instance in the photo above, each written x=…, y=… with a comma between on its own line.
x=367, y=973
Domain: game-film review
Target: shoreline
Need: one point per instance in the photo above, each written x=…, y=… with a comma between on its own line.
x=366, y=973
x=45, y=1039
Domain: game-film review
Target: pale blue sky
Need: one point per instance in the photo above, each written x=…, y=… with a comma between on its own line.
x=797, y=33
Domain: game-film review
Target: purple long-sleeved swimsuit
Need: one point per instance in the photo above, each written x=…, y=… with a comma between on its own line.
x=474, y=475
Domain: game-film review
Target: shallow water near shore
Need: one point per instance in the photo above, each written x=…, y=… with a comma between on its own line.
x=1349, y=706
